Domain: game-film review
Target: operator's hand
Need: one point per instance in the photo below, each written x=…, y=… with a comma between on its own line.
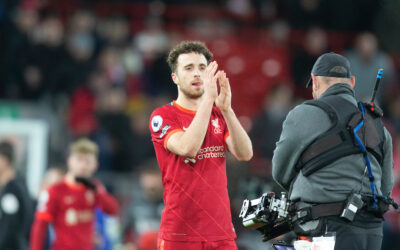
x=224, y=98
x=210, y=80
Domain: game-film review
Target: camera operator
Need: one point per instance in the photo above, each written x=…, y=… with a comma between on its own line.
x=339, y=187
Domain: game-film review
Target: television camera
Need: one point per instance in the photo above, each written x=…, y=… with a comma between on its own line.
x=270, y=214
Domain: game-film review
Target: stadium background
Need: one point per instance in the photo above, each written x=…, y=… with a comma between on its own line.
x=91, y=68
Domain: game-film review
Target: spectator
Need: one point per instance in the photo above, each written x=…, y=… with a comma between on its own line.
x=314, y=44
x=117, y=125
x=366, y=59
x=304, y=13
x=147, y=205
x=268, y=125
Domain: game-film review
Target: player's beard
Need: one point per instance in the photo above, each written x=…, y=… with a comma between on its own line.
x=192, y=93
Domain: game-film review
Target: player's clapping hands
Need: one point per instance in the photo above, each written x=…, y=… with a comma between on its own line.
x=223, y=100
x=210, y=77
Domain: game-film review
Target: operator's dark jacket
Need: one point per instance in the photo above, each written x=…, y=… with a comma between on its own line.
x=16, y=210
x=334, y=182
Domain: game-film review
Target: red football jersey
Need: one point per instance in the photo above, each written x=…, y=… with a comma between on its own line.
x=70, y=209
x=195, y=190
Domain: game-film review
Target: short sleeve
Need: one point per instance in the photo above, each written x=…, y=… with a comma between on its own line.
x=46, y=206
x=163, y=124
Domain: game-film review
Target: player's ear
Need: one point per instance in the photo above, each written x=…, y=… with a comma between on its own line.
x=315, y=82
x=352, y=81
x=174, y=78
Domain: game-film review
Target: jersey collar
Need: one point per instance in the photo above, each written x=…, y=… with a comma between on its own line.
x=184, y=109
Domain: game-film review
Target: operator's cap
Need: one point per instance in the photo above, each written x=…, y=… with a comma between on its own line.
x=332, y=65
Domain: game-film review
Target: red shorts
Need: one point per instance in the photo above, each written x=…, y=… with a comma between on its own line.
x=201, y=245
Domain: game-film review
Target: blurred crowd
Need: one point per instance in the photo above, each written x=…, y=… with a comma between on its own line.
x=98, y=69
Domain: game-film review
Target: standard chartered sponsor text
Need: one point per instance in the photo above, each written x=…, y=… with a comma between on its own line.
x=211, y=152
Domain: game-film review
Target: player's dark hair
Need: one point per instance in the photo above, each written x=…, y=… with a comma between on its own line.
x=187, y=47
x=7, y=151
